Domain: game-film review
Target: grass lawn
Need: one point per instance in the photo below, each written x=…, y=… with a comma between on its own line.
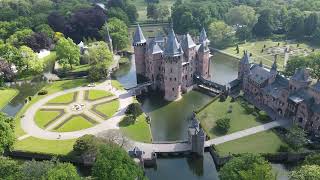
x=139, y=131
x=263, y=142
x=6, y=96
x=51, y=88
x=74, y=124
x=108, y=109
x=80, y=68
x=116, y=84
x=43, y=117
x=267, y=58
x=65, y=99
x=98, y=94
x=31, y=144
x=239, y=119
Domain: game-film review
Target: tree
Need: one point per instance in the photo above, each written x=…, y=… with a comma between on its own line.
x=296, y=23
x=100, y=59
x=315, y=64
x=9, y=168
x=134, y=110
x=296, y=137
x=118, y=31
x=30, y=63
x=38, y=41
x=220, y=34
x=223, y=125
x=68, y=53
x=247, y=167
x=152, y=11
x=114, y=163
x=306, y=172
x=46, y=29
x=311, y=23
x=115, y=136
x=243, y=33
x=56, y=21
x=11, y=54
x=132, y=12
x=34, y=170
x=164, y=12
x=313, y=159
x=7, y=137
x=85, y=144
x=17, y=39
x=265, y=25
x=295, y=63
x=63, y=171
x=242, y=15
x=7, y=72
x=119, y=14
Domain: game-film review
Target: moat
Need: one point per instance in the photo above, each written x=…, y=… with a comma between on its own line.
x=169, y=121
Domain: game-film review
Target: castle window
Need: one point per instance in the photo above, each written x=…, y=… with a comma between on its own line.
x=159, y=68
x=172, y=89
x=171, y=70
x=175, y=79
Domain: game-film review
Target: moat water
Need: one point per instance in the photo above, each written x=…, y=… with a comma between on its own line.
x=169, y=121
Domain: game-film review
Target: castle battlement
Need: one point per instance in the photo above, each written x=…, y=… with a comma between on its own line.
x=171, y=61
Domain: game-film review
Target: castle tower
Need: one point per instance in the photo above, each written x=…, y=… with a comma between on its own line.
x=173, y=55
x=244, y=66
x=300, y=79
x=139, y=44
x=273, y=71
x=204, y=55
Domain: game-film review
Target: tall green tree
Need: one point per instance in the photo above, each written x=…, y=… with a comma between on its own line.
x=242, y=15
x=307, y=172
x=35, y=170
x=17, y=39
x=114, y=163
x=265, y=25
x=313, y=159
x=311, y=24
x=295, y=63
x=247, y=167
x=220, y=34
x=9, y=169
x=296, y=137
x=63, y=171
x=7, y=137
x=296, y=23
x=68, y=53
x=31, y=63
x=315, y=66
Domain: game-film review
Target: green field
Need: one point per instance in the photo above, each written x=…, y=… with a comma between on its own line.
x=139, y=131
x=6, y=96
x=116, y=84
x=239, y=119
x=108, y=109
x=64, y=99
x=76, y=123
x=98, y=94
x=42, y=117
x=51, y=88
x=80, y=68
x=58, y=147
x=263, y=142
x=266, y=56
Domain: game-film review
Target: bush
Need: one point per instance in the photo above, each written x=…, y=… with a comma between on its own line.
x=124, y=60
x=263, y=116
x=42, y=92
x=284, y=148
x=223, y=125
x=86, y=143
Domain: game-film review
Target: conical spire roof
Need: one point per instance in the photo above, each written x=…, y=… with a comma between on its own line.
x=203, y=36
x=246, y=58
x=138, y=37
x=187, y=42
x=172, y=47
x=274, y=66
x=204, y=47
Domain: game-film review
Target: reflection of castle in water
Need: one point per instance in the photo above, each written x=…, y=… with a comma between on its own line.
x=170, y=65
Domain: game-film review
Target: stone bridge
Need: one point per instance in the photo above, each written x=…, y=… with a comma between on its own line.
x=140, y=88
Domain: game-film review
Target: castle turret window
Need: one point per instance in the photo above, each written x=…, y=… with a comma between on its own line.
x=175, y=79
x=172, y=89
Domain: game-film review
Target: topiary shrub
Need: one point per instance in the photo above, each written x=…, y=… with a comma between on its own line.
x=42, y=92
x=263, y=116
x=134, y=110
x=223, y=125
x=284, y=148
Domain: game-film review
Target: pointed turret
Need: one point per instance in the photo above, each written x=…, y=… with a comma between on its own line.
x=203, y=47
x=172, y=47
x=203, y=36
x=187, y=42
x=246, y=58
x=274, y=66
x=138, y=37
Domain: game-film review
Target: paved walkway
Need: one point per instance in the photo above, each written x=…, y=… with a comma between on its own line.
x=31, y=128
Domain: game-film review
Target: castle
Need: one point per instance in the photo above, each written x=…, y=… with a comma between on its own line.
x=169, y=64
x=296, y=98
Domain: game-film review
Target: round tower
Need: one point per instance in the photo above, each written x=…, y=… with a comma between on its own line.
x=139, y=44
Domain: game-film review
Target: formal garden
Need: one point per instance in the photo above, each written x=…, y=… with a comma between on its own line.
x=265, y=51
